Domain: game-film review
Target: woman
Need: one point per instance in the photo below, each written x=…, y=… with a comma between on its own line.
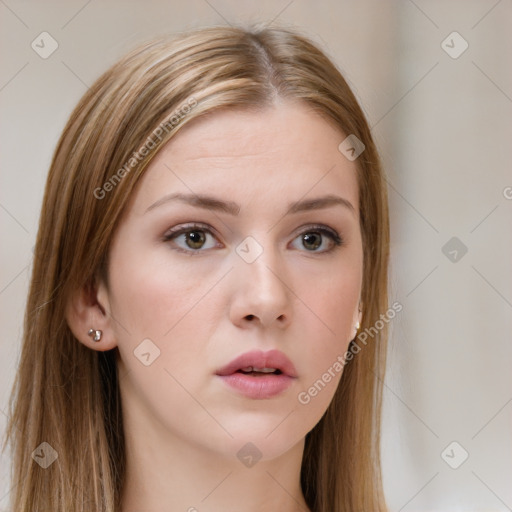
x=213, y=238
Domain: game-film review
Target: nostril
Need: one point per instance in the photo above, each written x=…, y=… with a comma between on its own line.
x=249, y=317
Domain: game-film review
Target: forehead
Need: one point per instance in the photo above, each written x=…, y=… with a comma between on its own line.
x=283, y=150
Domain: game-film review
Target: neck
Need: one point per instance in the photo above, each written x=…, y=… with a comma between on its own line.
x=176, y=476
x=166, y=471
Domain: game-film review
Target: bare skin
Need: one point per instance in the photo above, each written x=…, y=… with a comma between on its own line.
x=202, y=304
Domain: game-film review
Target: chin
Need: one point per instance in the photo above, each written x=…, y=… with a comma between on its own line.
x=265, y=440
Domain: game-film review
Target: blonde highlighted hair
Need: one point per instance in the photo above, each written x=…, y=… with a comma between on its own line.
x=68, y=395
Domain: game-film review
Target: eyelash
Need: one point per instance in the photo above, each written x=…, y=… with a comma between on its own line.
x=315, y=228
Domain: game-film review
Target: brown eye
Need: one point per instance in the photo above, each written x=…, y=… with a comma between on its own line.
x=195, y=239
x=312, y=241
x=192, y=239
x=318, y=239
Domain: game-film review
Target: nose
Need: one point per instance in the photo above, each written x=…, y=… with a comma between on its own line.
x=261, y=294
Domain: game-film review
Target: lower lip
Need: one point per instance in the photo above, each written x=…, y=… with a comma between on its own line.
x=258, y=387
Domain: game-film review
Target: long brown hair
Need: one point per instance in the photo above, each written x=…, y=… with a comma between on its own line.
x=68, y=395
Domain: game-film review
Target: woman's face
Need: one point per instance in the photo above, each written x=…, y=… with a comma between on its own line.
x=249, y=255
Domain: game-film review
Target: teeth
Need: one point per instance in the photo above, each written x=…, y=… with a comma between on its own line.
x=249, y=369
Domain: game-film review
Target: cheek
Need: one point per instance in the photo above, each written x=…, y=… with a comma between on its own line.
x=326, y=325
x=181, y=310
x=151, y=298
x=158, y=302
x=177, y=309
x=330, y=300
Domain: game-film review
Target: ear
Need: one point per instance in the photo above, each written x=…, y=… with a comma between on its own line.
x=89, y=308
x=358, y=315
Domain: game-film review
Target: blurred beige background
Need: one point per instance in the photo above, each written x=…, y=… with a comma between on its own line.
x=435, y=80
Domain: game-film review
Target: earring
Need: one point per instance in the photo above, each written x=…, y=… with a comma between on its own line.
x=358, y=325
x=96, y=335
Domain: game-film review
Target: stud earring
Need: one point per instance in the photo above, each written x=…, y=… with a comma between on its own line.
x=358, y=325
x=95, y=335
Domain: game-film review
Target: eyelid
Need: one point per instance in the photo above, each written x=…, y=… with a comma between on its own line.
x=323, y=229
x=331, y=233
x=336, y=239
x=190, y=226
x=186, y=228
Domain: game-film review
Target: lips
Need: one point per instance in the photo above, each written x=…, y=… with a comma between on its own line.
x=258, y=361
x=259, y=375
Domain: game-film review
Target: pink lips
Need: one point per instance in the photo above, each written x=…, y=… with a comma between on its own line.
x=264, y=385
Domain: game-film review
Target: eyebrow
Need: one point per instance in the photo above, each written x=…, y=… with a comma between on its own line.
x=232, y=208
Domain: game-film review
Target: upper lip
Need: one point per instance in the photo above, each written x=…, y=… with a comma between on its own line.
x=258, y=359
